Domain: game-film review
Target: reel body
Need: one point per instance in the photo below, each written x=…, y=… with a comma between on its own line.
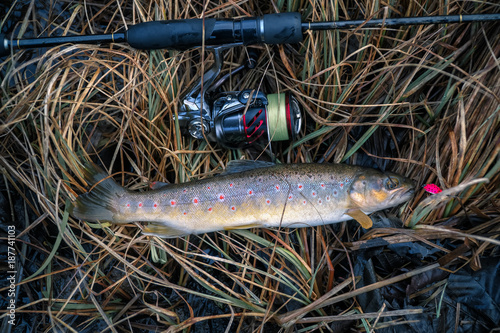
x=237, y=119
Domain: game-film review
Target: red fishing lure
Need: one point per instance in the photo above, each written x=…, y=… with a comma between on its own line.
x=432, y=188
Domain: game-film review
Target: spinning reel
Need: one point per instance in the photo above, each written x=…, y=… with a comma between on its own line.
x=237, y=119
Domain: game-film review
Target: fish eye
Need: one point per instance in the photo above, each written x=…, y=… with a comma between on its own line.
x=391, y=183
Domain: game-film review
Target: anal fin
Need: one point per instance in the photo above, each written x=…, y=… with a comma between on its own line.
x=163, y=230
x=364, y=220
x=243, y=226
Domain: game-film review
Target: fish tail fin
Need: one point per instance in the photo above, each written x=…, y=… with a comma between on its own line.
x=100, y=202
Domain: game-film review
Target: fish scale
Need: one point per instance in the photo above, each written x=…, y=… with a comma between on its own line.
x=247, y=195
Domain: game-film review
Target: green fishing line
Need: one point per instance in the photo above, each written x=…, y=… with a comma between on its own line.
x=276, y=117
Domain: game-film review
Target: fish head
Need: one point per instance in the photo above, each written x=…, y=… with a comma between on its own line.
x=373, y=190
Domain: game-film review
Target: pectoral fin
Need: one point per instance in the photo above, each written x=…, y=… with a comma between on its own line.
x=162, y=230
x=364, y=220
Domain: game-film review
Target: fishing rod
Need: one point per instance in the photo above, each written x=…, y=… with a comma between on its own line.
x=234, y=119
x=188, y=33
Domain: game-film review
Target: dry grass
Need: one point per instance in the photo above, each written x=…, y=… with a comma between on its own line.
x=421, y=101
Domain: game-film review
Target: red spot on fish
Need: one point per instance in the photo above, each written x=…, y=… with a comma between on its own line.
x=209, y=209
x=233, y=208
x=335, y=193
x=432, y=188
x=341, y=184
x=320, y=202
x=300, y=187
x=277, y=187
x=327, y=198
x=322, y=185
x=290, y=197
x=128, y=205
x=140, y=204
x=314, y=194
x=173, y=203
x=185, y=191
x=304, y=202
x=268, y=201
x=208, y=188
x=250, y=192
x=195, y=201
x=231, y=185
x=185, y=213
x=221, y=197
x=155, y=205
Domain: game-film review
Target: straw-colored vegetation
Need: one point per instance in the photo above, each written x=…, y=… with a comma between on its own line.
x=422, y=101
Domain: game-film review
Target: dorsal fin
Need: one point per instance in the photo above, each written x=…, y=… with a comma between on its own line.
x=237, y=166
x=156, y=185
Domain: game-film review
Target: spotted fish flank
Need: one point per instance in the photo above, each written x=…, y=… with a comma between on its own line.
x=249, y=194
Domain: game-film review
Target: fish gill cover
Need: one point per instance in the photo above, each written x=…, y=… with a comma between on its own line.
x=421, y=101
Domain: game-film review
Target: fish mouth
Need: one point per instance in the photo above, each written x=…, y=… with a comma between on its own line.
x=403, y=194
x=408, y=193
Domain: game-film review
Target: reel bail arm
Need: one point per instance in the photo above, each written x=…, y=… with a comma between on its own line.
x=196, y=115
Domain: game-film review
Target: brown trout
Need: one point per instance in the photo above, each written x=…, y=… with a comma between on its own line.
x=248, y=194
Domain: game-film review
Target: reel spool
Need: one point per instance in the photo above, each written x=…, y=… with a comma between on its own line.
x=273, y=117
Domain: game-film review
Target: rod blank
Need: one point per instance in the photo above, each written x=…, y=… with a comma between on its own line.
x=403, y=21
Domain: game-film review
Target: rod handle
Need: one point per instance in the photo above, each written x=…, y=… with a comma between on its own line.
x=185, y=34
